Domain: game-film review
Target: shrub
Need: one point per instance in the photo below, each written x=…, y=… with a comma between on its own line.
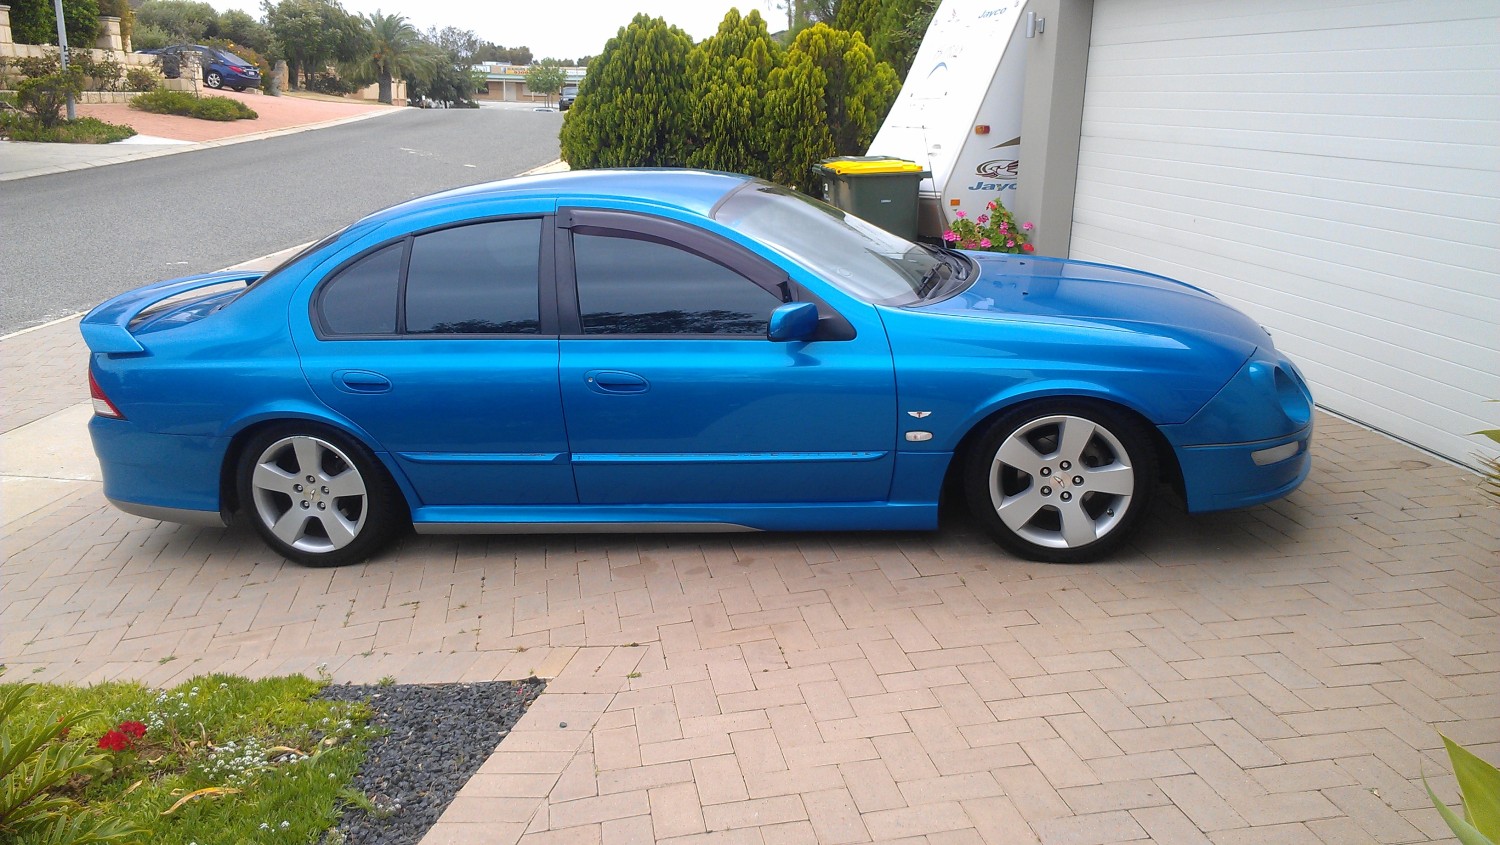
x=633, y=106
x=35, y=22
x=162, y=101
x=730, y=73
x=324, y=82
x=142, y=79
x=104, y=74
x=148, y=37
x=43, y=97
x=222, y=108
x=84, y=130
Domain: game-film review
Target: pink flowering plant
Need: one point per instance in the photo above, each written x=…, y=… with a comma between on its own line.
x=995, y=230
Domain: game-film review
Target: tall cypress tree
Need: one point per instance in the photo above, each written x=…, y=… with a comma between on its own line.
x=633, y=107
x=730, y=74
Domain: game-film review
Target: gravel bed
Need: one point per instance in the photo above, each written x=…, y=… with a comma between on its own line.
x=436, y=737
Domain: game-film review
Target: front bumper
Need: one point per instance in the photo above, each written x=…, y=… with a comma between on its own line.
x=1249, y=444
x=1221, y=477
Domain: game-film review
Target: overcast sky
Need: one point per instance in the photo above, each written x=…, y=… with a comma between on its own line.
x=563, y=30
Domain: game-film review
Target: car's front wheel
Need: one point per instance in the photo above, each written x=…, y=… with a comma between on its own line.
x=316, y=496
x=213, y=80
x=1062, y=481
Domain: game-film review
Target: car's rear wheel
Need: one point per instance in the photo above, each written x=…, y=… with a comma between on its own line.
x=213, y=80
x=1062, y=481
x=238, y=87
x=317, y=496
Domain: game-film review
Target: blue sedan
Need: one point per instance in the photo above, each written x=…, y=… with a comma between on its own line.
x=678, y=350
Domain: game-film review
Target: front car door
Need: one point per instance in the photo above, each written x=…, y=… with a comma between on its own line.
x=674, y=395
x=442, y=345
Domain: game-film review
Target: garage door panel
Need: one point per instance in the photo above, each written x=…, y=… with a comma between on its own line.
x=1422, y=188
x=1323, y=204
x=1380, y=116
x=1175, y=21
x=1384, y=279
x=1378, y=137
x=1222, y=144
x=1381, y=103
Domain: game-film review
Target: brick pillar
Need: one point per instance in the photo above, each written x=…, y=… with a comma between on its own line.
x=109, y=34
x=5, y=25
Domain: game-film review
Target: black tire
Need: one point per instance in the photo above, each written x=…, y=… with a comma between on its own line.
x=1062, y=481
x=213, y=80
x=290, y=478
x=238, y=88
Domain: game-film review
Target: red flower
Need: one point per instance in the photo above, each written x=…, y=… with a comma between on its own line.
x=1027, y=248
x=114, y=741
x=134, y=730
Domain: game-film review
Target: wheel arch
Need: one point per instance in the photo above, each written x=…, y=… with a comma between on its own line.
x=1168, y=468
x=243, y=430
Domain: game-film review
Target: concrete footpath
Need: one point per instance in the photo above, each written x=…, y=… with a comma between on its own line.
x=162, y=134
x=1273, y=675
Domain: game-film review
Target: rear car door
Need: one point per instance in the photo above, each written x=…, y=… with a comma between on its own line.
x=443, y=346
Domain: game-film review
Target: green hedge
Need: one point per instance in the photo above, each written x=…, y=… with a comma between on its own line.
x=84, y=130
x=737, y=101
x=163, y=101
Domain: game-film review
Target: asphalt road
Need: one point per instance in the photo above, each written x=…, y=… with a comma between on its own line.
x=68, y=241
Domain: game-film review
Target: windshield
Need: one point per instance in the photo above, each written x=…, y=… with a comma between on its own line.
x=859, y=258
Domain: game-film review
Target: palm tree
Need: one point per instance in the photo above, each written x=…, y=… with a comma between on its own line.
x=396, y=50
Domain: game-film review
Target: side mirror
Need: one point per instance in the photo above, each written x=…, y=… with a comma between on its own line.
x=793, y=321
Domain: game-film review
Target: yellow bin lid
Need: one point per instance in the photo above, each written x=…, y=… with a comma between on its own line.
x=864, y=168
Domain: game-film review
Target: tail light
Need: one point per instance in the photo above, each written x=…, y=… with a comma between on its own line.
x=102, y=406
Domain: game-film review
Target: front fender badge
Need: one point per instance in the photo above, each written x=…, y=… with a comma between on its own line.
x=919, y=414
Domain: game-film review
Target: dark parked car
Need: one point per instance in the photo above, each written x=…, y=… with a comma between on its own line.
x=676, y=350
x=221, y=69
x=566, y=98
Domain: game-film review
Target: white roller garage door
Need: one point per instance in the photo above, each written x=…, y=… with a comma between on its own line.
x=1333, y=169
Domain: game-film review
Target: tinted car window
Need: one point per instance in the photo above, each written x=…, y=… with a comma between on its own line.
x=475, y=279
x=628, y=286
x=361, y=299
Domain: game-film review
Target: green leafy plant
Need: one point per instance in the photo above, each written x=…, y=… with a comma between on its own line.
x=1479, y=786
x=1491, y=483
x=83, y=130
x=993, y=231
x=104, y=74
x=215, y=759
x=43, y=97
x=142, y=79
x=162, y=101
x=37, y=766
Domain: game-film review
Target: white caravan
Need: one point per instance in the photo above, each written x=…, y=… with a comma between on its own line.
x=959, y=113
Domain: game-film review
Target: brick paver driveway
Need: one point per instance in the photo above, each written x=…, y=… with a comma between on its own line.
x=1273, y=675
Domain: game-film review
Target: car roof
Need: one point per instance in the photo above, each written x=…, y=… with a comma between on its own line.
x=694, y=191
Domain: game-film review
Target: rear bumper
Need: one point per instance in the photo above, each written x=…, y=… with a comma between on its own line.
x=160, y=476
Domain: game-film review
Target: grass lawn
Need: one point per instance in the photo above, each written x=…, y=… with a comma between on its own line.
x=215, y=759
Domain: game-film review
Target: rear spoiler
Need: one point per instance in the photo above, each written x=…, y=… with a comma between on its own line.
x=106, y=329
